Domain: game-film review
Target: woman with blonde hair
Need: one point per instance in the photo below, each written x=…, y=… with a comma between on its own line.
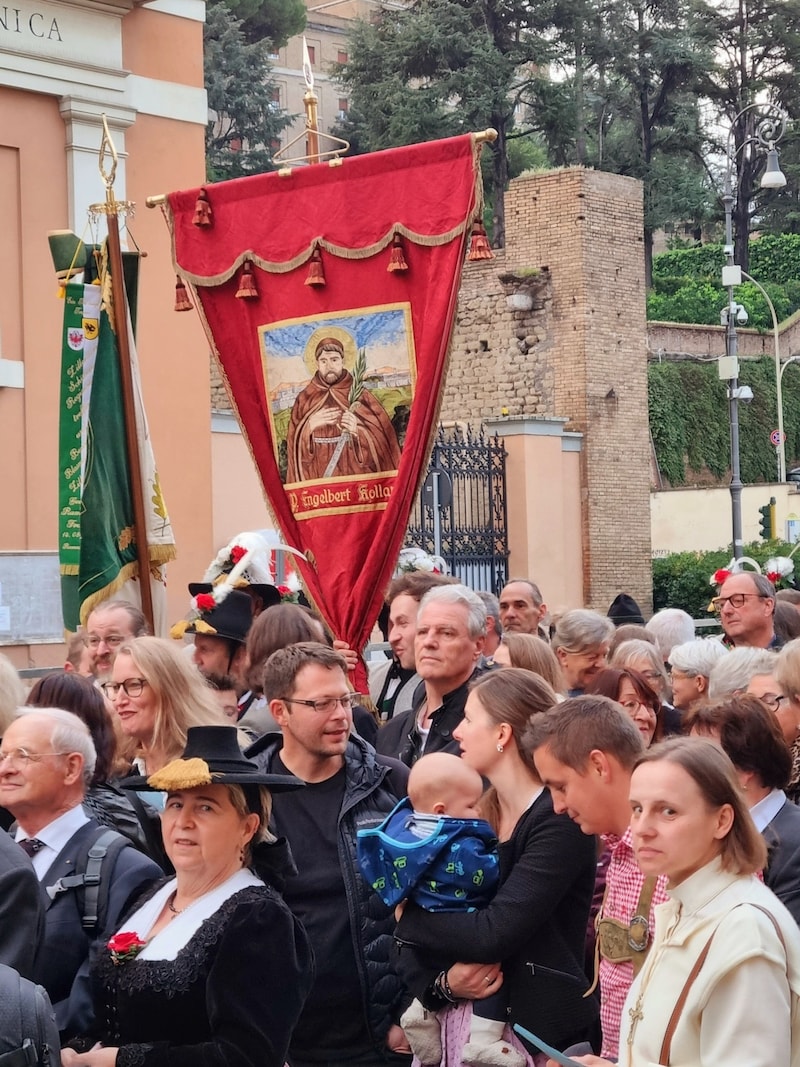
x=720, y=983
x=786, y=673
x=157, y=695
x=531, y=653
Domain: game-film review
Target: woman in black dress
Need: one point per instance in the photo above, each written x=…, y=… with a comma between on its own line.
x=211, y=969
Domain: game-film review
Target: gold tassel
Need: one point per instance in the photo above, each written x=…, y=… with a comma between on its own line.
x=202, y=210
x=181, y=774
x=182, y=301
x=397, y=261
x=178, y=630
x=316, y=275
x=247, y=284
x=479, y=247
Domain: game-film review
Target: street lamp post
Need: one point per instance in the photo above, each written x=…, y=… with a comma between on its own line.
x=776, y=339
x=768, y=132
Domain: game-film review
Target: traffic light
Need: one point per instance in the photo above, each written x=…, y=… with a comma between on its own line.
x=766, y=523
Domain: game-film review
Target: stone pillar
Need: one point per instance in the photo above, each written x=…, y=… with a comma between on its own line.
x=544, y=506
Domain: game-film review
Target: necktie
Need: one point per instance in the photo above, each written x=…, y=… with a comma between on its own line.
x=31, y=845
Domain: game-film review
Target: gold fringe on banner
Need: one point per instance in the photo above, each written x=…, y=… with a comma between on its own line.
x=340, y=251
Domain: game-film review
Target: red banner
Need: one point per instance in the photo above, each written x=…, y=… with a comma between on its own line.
x=329, y=295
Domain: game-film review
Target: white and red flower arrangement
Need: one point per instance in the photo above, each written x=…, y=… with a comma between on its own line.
x=125, y=946
x=778, y=569
x=412, y=558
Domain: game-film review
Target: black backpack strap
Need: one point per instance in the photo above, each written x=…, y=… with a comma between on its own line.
x=95, y=893
x=92, y=878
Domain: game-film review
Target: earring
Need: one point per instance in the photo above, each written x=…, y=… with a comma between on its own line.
x=500, y=748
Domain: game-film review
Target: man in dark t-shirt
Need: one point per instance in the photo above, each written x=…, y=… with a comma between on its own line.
x=351, y=1015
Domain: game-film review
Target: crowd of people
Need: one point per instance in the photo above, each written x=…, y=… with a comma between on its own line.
x=584, y=827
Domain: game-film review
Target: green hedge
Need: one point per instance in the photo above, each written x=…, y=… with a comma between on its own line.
x=689, y=420
x=681, y=580
x=687, y=283
x=774, y=258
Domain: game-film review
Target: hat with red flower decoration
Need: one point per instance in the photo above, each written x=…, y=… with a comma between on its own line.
x=231, y=617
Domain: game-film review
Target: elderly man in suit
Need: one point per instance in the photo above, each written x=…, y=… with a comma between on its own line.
x=47, y=759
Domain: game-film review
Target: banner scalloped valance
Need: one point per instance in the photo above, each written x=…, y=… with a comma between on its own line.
x=271, y=267
x=345, y=212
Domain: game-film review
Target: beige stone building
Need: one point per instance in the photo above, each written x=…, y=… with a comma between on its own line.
x=326, y=34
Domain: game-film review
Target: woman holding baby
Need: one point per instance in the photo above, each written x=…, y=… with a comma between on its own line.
x=529, y=939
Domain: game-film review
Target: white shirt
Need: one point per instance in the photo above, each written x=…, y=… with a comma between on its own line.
x=54, y=837
x=765, y=810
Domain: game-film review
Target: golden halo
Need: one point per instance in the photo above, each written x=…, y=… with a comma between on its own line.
x=338, y=333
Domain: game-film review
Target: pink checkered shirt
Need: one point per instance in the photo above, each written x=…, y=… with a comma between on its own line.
x=623, y=887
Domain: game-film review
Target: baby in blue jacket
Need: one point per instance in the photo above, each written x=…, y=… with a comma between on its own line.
x=435, y=849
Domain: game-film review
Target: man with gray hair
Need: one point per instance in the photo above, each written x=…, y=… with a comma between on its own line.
x=581, y=642
x=494, y=627
x=451, y=630
x=733, y=673
x=47, y=759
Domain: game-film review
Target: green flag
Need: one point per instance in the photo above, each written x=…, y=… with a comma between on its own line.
x=98, y=552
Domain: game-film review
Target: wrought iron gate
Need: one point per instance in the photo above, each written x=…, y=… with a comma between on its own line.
x=470, y=532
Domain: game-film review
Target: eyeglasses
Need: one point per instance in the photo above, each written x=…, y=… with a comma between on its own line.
x=113, y=640
x=773, y=700
x=736, y=600
x=133, y=687
x=327, y=704
x=22, y=756
x=632, y=706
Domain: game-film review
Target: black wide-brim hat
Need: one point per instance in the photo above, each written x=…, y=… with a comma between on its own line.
x=231, y=618
x=212, y=757
x=269, y=593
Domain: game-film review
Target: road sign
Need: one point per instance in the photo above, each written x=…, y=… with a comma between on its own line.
x=437, y=489
x=776, y=437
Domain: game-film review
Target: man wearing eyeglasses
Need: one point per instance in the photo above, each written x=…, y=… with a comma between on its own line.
x=746, y=607
x=351, y=1015
x=47, y=759
x=109, y=626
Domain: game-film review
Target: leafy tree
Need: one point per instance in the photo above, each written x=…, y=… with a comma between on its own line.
x=649, y=59
x=272, y=20
x=441, y=67
x=245, y=122
x=759, y=50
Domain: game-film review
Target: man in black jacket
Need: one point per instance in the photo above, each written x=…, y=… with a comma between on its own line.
x=351, y=1014
x=451, y=629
